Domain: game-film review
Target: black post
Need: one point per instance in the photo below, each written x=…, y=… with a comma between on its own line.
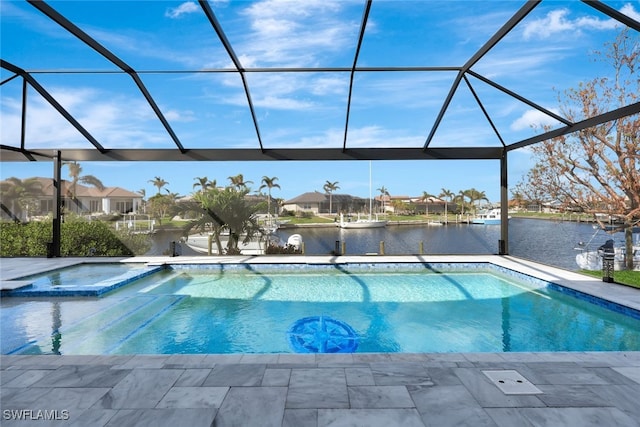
x=57, y=207
x=504, y=206
x=607, y=251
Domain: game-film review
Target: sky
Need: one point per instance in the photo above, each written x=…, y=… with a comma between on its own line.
x=548, y=53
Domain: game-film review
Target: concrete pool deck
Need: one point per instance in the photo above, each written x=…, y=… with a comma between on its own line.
x=426, y=389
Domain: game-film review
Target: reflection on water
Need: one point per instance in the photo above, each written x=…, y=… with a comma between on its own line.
x=56, y=324
x=548, y=242
x=506, y=325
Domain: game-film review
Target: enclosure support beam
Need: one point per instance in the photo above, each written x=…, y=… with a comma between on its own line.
x=57, y=208
x=504, y=206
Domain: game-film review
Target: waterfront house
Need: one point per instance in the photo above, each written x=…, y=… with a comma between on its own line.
x=315, y=202
x=87, y=200
x=404, y=204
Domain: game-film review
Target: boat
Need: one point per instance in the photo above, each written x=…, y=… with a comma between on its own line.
x=363, y=222
x=271, y=223
x=590, y=258
x=205, y=243
x=487, y=217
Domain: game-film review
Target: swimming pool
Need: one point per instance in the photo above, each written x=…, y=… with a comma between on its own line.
x=269, y=308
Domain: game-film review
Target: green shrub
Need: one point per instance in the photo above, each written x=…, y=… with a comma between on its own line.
x=79, y=238
x=304, y=214
x=24, y=239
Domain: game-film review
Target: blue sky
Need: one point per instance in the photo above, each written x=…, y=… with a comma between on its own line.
x=546, y=54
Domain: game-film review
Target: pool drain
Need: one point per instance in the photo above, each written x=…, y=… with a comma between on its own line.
x=511, y=382
x=322, y=334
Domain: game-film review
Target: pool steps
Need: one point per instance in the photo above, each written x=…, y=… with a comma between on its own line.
x=81, y=338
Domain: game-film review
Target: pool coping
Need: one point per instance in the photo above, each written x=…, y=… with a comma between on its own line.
x=418, y=389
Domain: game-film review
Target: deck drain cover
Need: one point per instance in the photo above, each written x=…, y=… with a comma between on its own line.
x=511, y=382
x=322, y=334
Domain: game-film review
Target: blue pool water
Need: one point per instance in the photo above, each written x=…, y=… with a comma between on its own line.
x=352, y=307
x=82, y=280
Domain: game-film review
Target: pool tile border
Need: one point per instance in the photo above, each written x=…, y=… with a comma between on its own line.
x=610, y=305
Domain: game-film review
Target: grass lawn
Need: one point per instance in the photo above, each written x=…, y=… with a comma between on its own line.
x=553, y=216
x=626, y=277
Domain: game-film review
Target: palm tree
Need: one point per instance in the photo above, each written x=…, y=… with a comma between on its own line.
x=204, y=183
x=238, y=182
x=475, y=196
x=227, y=209
x=482, y=196
x=20, y=192
x=269, y=183
x=329, y=187
x=425, y=198
x=383, y=192
x=158, y=183
x=461, y=199
x=74, y=172
x=447, y=195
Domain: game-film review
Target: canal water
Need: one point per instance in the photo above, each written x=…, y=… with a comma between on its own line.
x=545, y=241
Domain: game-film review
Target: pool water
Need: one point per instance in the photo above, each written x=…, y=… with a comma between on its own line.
x=82, y=280
x=363, y=308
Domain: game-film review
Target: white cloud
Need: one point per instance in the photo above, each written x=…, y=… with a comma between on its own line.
x=268, y=101
x=114, y=120
x=289, y=33
x=183, y=9
x=174, y=115
x=554, y=22
x=365, y=136
x=630, y=11
x=533, y=118
x=310, y=8
x=558, y=21
x=513, y=62
x=330, y=85
x=287, y=91
x=281, y=103
x=377, y=136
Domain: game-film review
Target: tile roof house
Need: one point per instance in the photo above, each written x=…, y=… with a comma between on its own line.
x=87, y=199
x=318, y=203
x=431, y=204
